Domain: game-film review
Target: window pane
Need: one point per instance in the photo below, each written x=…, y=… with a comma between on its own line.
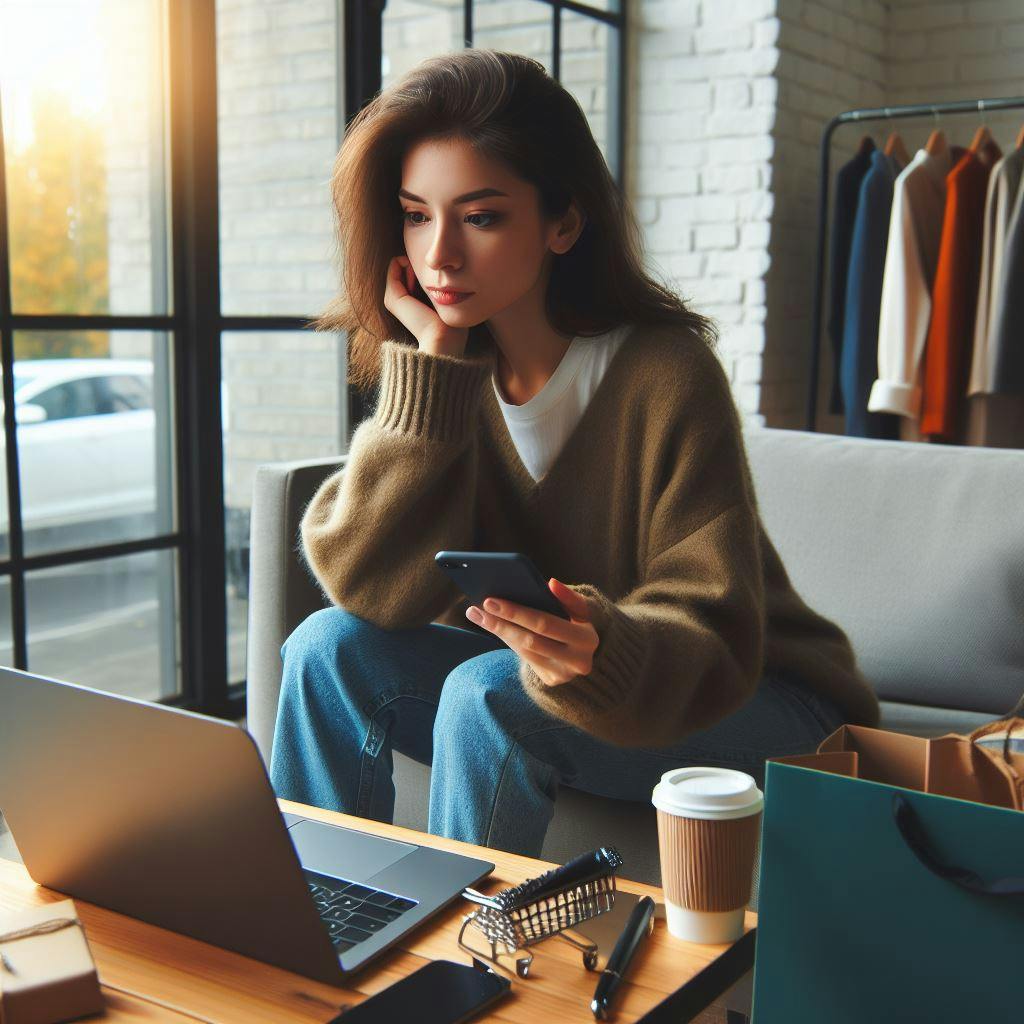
x=5, y=536
x=6, y=635
x=414, y=29
x=590, y=71
x=95, y=437
x=82, y=87
x=279, y=127
x=284, y=398
x=109, y=624
x=608, y=6
x=519, y=26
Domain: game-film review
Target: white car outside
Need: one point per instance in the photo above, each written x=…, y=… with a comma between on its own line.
x=85, y=441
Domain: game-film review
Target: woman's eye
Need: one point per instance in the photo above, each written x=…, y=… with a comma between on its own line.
x=492, y=218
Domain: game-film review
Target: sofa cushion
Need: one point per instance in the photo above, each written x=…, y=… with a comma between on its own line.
x=916, y=550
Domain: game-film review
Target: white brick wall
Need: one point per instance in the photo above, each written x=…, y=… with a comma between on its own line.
x=278, y=131
x=132, y=162
x=832, y=60
x=726, y=174
x=698, y=162
x=728, y=101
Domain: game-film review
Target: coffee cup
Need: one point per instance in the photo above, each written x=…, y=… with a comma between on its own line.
x=708, y=825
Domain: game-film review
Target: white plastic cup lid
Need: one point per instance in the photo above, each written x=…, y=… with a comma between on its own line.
x=707, y=793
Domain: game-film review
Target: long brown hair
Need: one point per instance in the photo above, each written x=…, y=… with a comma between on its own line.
x=509, y=109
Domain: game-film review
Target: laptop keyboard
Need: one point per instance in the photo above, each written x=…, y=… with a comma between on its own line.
x=353, y=912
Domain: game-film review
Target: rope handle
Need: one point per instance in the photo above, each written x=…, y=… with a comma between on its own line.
x=1008, y=723
x=913, y=834
x=55, y=924
x=999, y=725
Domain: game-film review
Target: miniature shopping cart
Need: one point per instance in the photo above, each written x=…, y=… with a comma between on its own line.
x=552, y=904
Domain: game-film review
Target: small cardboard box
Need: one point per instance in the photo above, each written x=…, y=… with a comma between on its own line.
x=46, y=972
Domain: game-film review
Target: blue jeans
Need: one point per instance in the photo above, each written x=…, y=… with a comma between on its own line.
x=452, y=698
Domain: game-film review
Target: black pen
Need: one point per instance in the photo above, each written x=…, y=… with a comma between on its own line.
x=638, y=927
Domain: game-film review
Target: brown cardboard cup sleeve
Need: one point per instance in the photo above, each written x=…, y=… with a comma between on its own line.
x=708, y=824
x=47, y=973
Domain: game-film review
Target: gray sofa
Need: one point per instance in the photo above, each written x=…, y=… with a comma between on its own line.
x=916, y=550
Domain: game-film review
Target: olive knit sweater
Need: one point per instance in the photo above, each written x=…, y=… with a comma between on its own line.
x=648, y=511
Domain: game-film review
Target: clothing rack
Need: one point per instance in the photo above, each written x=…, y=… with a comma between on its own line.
x=848, y=117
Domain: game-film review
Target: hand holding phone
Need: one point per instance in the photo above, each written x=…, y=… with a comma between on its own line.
x=402, y=299
x=559, y=645
x=502, y=574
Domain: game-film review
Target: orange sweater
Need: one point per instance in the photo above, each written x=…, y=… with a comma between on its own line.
x=947, y=357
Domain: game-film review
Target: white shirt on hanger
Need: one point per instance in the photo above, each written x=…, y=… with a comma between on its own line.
x=915, y=232
x=540, y=427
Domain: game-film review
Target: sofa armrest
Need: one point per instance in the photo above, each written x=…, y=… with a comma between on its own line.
x=282, y=591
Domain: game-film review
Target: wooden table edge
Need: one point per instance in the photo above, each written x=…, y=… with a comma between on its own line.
x=693, y=996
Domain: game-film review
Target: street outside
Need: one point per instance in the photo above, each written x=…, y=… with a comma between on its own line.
x=90, y=624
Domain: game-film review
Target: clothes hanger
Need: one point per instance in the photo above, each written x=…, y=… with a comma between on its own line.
x=867, y=144
x=981, y=138
x=937, y=143
x=1019, y=144
x=895, y=147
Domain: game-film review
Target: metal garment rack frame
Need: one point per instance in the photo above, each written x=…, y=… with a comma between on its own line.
x=856, y=116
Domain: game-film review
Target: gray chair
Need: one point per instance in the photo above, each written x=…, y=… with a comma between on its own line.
x=916, y=550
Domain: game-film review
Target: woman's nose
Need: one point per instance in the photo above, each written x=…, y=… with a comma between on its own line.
x=443, y=249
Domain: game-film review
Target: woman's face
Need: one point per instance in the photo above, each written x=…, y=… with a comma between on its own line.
x=496, y=246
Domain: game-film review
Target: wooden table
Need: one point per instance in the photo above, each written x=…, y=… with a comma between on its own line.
x=150, y=974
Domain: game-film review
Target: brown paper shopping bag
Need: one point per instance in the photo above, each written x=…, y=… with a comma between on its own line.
x=952, y=765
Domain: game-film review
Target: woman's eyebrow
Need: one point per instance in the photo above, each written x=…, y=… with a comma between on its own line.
x=480, y=193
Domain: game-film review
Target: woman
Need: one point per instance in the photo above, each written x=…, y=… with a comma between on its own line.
x=538, y=392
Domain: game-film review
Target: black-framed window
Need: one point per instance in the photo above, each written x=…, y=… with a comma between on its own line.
x=165, y=238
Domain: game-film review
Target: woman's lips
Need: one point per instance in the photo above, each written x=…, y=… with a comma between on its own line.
x=448, y=298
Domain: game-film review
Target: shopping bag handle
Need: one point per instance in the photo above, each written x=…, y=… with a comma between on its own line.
x=914, y=836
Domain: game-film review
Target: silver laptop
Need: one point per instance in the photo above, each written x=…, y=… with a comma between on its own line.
x=169, y=816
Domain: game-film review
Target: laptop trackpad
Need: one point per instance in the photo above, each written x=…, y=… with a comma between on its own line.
x=343, y=852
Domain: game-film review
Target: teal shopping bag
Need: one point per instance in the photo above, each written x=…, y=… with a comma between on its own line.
x=880, y=903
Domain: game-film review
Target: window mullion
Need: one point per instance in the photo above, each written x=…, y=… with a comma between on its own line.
x=195, y=220
x=16, y=539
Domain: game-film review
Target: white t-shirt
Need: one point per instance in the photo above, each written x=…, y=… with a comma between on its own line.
x=542, y=425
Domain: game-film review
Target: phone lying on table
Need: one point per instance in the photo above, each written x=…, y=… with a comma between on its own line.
x=506, y=575
x=441, y=992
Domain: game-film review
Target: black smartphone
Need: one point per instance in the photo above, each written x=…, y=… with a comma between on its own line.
x=500, y=574
x=441, y=992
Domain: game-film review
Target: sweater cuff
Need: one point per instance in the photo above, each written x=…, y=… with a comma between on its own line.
x=435, y=396
x=619, y=662
x=891, y=396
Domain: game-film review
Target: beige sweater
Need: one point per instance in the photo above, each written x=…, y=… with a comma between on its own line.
x=649, y=511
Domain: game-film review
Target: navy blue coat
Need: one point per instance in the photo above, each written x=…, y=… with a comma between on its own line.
x=858, y=367
x=848, y=181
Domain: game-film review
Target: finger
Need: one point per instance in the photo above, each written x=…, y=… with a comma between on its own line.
x=524, y=641
x=533, y=619
x=575, y=604
x=395, y=286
